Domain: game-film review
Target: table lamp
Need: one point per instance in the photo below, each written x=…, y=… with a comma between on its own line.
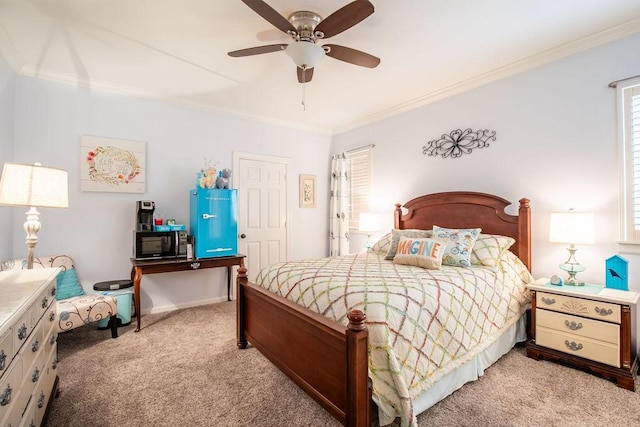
x=369, y=222
x=574, y=228
x=33, y=186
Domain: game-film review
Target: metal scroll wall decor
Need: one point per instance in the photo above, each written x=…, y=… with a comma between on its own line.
x=459, y=142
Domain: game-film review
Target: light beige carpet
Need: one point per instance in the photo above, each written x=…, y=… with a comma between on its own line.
x=184, y=369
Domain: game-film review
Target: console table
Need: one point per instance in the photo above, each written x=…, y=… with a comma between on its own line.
x=142, y=267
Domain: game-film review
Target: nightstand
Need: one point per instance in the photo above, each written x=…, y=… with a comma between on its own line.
x=589, y=327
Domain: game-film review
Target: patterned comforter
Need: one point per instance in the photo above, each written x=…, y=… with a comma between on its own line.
x=422, y=324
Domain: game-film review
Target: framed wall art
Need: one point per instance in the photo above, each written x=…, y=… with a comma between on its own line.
x=113, y=165
x=307, y=191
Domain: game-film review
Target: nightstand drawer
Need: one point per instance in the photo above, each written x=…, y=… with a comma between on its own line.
x=576, y=345
x=566, y=323
x=582, y=307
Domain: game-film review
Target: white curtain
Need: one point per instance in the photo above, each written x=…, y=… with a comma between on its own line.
x=339, y=221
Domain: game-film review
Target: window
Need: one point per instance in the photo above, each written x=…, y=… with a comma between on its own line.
x=359, y=164
x=629, y=136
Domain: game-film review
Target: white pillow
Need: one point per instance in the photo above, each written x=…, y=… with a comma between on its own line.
x=489, y=248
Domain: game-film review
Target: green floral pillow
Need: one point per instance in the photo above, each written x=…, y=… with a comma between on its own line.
x=397, y=234
x=489, y=248
x=461, y=241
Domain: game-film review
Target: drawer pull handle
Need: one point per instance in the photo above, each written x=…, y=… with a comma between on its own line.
x=45, y=302
x=604, y=311
x=52, y=339
x=548, y=301
x=573, y=325
x=53, y=291
x=573, y=346
x=5, y=397
x=22, y=332
x=41, y=400
x=52, y=316
x=3, y=360
x=35, y=346
x=54, y=364
x=35, y=376
x=195, y=265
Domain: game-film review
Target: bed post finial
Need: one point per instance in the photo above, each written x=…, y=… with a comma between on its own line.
x=397, y=214
x=356, y=320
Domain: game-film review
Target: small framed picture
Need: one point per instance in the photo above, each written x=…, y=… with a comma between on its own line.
x=307, y=191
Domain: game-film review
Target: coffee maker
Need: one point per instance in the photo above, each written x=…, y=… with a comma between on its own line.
x=144, y=215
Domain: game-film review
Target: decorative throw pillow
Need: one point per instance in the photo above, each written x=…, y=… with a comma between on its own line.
x=421, y=252
x=489, y=248
x=397, y=234
x=461, y=241
x=68, y=285
x=382, y=245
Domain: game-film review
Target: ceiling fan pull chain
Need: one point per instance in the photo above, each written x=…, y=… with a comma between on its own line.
x=304, y=106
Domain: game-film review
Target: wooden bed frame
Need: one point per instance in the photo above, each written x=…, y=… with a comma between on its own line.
x=330, y=361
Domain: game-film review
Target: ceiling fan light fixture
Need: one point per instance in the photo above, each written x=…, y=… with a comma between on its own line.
x=305, y=54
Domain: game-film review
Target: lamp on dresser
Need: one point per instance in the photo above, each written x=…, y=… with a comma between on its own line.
x=573, y=228
x=33, y=186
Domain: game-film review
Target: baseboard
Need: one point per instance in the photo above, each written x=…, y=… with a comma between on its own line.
x=173, y=307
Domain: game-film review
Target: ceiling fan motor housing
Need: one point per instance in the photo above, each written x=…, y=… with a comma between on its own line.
x=305, y=23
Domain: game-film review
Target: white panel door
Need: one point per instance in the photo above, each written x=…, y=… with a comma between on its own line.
x=262, y=209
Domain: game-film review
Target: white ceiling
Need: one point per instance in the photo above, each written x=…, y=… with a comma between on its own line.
x=176, y=50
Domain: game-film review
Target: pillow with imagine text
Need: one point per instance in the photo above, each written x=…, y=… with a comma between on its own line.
x=397, y=234
x=461, y=241
x=421, y=252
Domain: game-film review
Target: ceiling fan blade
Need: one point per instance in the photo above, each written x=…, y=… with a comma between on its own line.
x=258, y=50
x=304, y=76
x=345, y=18
x=352, y=56
x=270, y=14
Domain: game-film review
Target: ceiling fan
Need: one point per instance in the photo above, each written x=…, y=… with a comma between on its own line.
x=307, y=29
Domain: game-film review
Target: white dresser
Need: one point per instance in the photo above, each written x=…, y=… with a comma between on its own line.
x=590, y=327
x=28, y=345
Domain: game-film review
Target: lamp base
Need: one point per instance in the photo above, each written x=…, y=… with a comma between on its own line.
x=572, y=269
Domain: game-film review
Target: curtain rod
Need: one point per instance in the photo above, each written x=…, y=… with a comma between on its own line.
x=614, y=84
x=360, y=148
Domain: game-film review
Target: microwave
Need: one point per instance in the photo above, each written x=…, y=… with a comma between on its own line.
x=160, y=244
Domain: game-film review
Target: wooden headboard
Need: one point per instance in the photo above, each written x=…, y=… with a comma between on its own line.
x=465, y=209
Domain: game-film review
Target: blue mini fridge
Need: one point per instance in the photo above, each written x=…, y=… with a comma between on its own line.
x=213, y=222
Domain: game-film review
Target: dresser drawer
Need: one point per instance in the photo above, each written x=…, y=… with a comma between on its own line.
x=581, y=326
x=21, y=330
x=6, y=350
x=579, y=306
x=10, y=386
x=580, y=346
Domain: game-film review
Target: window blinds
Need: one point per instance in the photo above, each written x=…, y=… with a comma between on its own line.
x=360, y=182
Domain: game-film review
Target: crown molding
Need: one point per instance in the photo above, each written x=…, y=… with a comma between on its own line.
x=92, y=84
x=597, y=39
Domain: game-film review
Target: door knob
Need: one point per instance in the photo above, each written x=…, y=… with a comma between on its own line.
x=243, y=236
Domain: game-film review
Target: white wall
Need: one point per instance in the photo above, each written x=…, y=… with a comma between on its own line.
x=97, y=228
x=556, y=145
x=7, y=87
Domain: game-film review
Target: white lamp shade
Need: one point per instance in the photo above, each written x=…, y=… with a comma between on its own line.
x=369, y=222
x=34, y=185
x=572, y=227
x=305, y=54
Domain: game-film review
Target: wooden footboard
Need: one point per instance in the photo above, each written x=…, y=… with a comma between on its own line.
x=326, y=359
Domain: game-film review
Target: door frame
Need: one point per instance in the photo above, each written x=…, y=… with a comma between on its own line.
x=240, y=155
